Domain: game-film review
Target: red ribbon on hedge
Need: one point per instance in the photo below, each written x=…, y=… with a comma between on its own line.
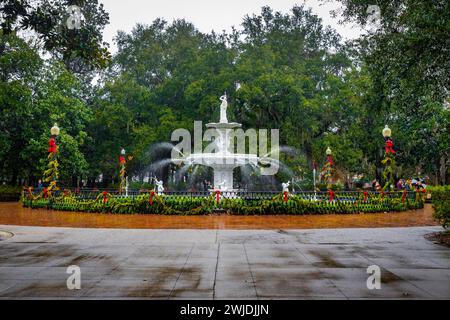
x=151, y=197
x=285, y=196
x=331, y=195
x=45, y=193
x=365, y=193
x=105, y=199
x=217, y=196
x=404, y=196
x=52, y=146
x=389, y=145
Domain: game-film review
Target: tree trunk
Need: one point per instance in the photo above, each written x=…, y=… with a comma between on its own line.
x=74, y=182
x=14, y=176
x=91, y=182
x=443, y=170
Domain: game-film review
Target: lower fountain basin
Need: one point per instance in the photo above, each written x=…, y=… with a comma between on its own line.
x=217, y=160
x=223, y=165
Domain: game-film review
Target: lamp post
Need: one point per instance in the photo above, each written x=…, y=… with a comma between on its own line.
x=51, y=174
x=387, y=132
x=329, y=166
x=55, y=130
x=389, y=159
x=314, y=178
x=122, y=162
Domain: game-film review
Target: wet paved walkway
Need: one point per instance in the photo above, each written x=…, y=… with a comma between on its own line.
x=15, y=214
x=218, y=264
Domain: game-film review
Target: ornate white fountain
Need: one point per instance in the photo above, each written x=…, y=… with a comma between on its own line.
x=223, y=160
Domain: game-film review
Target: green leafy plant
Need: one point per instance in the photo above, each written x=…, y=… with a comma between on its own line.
x=191, y=205
x=440, y=197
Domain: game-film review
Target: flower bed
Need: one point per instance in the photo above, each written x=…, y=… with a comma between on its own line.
x=201, y=205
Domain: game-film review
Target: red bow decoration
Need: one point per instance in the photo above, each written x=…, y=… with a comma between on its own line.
x=285, y=196
x=217, y=196
x=389, y=145
x=331, y=192
x=152, y=194
x=45, y=193
x=365, y=193
x=105, y=199
x=424, y=192
x=404, y=196
x=122, y=160
x=52, y=146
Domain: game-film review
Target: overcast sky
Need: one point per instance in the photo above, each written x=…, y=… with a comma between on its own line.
x=207, y=15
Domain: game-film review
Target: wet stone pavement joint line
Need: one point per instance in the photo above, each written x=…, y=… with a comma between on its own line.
x=250, y=270
x=223, y=264
x=215, y=271
x=182, y=270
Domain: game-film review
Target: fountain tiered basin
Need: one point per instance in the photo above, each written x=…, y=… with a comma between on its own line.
x=223, y=166
x=224, y=160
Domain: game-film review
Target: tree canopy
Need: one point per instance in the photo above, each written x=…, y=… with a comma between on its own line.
x=280, y=71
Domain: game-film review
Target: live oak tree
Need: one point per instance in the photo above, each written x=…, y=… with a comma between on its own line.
x=407, y=55
x=58, y=98
x=74, y=37
x=19, y=65
x=35, y=95
x=292, y=72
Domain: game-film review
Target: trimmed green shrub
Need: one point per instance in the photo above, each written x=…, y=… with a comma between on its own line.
x=440, y=197
x=168, y=205
x=187, y=205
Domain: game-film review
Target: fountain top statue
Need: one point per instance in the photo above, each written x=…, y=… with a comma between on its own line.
x=223, y=109
x=223, y=123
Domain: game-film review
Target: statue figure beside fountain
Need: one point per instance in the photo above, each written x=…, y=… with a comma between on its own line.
x=285, y=186
x=223, y=109
x=159, y=186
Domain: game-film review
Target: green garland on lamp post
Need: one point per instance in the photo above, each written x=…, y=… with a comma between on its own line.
x=122, y=162
x=389, y=159
x=327, y=171
x=52, y=174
